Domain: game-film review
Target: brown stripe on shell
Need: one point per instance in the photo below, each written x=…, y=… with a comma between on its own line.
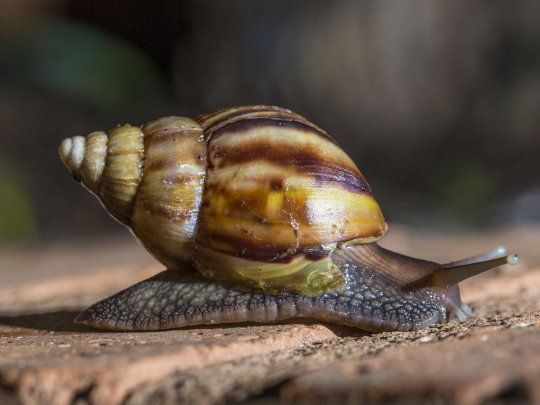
x=212, y=122
x=210, y=119
x=243, y=244
x=241, y=115
x=246, y=122
x=257, y=251
x=122, y=171
x=308, y=162
x=252, y=250
x=170, y=193
x=277, y=185
x=300, y=151
x=246, y=244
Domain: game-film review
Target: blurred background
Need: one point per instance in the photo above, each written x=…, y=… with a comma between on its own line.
x=438, y=102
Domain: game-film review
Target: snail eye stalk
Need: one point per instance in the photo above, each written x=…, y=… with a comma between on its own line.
x=455, y=272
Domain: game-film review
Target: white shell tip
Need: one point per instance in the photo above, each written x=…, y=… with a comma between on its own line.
x=72, y=152
x=512, y=259
x=65, y=149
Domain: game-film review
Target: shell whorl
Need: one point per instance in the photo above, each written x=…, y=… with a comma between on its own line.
x=169, y=197
x=149, y=178
x=279, y=195
x=85, y=158
x=109, y=165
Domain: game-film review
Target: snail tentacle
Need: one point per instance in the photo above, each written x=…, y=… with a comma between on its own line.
x=493, y=254
x=456, y=272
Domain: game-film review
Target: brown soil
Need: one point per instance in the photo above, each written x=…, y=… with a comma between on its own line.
x=46, y=358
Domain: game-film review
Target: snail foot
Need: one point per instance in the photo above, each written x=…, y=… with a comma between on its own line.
x=177, y=299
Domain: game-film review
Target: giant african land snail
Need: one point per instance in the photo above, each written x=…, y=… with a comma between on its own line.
x=259, y=216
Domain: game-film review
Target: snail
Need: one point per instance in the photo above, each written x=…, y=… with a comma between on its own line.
x=258, y=216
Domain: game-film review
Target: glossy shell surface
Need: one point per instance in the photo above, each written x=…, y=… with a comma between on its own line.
x=255, y=195
x=279, y=195
x=167, y=205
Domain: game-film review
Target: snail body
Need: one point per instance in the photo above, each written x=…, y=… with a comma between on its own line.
x=259, y=216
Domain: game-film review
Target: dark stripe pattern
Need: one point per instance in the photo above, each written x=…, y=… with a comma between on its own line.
x=169, y=197
x=277, y=186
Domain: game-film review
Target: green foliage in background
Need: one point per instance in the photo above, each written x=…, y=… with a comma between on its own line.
x=83, y=63
x=18, y=222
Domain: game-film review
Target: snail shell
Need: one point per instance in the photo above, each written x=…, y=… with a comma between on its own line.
x=274, y=215
x=257, y=195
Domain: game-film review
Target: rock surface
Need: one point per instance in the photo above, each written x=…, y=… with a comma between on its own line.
x=46, y=358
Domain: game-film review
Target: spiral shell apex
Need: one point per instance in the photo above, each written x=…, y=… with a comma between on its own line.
x=148, y=178
x=256, y=195
x=109, y=165
x=85, y=158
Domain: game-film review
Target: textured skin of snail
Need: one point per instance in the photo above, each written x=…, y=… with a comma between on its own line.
x=372, y=299
x=259, y=216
